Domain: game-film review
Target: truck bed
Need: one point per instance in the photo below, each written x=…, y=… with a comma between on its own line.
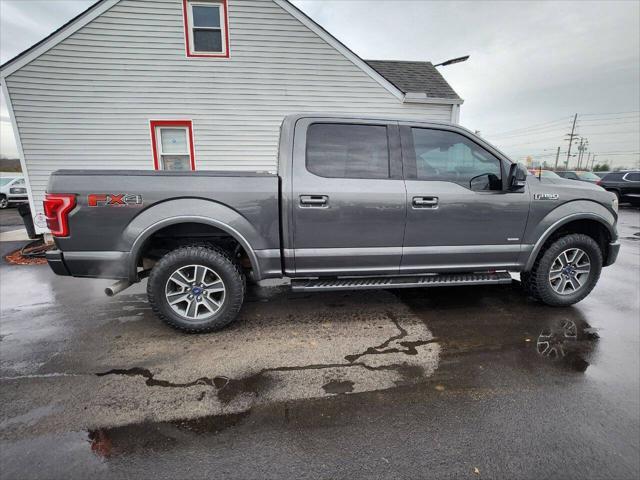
x=111, y=229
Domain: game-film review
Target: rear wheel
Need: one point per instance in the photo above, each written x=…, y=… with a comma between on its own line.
x=196, y=289
x=566, y=271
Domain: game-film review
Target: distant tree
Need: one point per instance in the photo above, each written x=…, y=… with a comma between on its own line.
x=545, y=165
x=601, y=167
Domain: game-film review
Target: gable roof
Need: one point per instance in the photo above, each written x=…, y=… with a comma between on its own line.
x=415, y=77
x=387, y=76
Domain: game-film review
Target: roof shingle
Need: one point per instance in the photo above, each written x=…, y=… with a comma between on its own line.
x=414, y=77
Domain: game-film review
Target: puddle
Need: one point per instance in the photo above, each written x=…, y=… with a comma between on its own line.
x=338, y=386
x=560, y=337
x=138, y=437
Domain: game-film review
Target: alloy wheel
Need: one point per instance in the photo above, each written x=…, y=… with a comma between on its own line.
x=195, y=292
x=570, y=271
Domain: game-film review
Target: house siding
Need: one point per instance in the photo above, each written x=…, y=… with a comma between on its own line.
x=87, y=102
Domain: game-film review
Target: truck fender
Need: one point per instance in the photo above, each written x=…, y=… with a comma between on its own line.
x=206, y=212
x=564, y=214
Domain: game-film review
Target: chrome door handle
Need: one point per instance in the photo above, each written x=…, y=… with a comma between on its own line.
x=314, y=200
x=425, y=202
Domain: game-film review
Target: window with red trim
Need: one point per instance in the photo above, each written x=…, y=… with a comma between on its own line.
x=206, y=28
x=172, y=145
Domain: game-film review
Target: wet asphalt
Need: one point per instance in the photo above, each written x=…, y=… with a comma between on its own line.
x=476, y=382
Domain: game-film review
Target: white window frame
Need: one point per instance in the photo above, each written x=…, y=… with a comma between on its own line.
x=222, y=12
x=187, y=153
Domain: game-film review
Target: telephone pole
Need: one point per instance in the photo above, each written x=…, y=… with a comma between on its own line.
x=586, y=165
x=593, y=161
x=580, y=151
x=571, y=136
x=557, y=157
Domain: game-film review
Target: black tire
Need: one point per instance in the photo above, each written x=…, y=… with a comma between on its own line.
x=3, y=202
x=617, y=194
x=214, y=259
x=525, y=283
x=537, y=279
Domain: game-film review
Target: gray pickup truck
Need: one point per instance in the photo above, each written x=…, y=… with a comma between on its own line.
x=358, y=203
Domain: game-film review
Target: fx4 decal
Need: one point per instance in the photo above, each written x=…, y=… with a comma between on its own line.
x=546, y=196
x=113, y=200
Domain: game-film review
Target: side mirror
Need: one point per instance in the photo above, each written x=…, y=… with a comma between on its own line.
x=517, y=178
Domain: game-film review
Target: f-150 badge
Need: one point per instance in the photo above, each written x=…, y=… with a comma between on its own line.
x=113, y=200
x=546, y=196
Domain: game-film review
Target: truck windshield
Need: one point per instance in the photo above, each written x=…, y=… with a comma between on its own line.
x=4, y=181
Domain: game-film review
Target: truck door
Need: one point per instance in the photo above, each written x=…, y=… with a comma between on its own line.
x=459, y=217
x=348, y=198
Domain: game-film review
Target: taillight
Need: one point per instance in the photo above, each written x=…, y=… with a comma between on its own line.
x=599, y=182
x=56, y=210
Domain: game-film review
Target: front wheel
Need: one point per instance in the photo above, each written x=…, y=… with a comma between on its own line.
x=196, y=289
x=566, y=271
x=4, y=203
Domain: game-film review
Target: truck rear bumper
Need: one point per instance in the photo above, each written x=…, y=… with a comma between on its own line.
x=113, y=265
x=54, y=258
x=612, y=253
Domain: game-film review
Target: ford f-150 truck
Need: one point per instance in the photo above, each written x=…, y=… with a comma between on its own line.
x=357, y=203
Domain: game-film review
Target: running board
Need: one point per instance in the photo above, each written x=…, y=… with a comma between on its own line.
x=437, y=280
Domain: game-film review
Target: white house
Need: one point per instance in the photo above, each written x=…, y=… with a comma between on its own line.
x=193, y=84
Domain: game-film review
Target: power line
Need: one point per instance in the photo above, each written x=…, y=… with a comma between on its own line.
x=530, y=127
x=610, y=113
x=633, y=119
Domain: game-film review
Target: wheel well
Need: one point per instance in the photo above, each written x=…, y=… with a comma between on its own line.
x=178, y=235
x=591, y=228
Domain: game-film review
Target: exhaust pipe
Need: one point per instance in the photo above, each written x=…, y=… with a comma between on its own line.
x=117, y=287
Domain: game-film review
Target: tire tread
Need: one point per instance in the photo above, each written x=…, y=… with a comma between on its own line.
x=187, y=252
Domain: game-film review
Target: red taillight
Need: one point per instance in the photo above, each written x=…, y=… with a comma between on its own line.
x=56, y=209
x=599, y=182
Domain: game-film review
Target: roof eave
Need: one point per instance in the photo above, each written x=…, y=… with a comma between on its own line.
x=73, y=25
x=421, y=97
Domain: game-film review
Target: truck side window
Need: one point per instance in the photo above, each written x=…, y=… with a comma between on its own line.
x=450, y=157
x=340, y=150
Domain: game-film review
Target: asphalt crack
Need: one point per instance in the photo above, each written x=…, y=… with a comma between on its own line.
x=228, y=388
x=410, y=347
x=153, y=382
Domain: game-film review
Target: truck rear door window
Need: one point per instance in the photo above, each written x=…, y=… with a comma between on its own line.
x=340, y=150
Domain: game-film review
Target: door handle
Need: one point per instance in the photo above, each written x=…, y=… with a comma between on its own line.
x=318, y=201
x=425, y=202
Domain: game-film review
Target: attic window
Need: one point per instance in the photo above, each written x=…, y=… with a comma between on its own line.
x=206, y=28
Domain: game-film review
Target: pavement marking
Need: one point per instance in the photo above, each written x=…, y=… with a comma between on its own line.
x=14, y=235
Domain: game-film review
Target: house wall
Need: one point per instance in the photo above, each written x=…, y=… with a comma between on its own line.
x=87, y=102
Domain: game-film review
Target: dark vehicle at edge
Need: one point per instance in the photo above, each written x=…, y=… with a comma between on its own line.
x=625, y=185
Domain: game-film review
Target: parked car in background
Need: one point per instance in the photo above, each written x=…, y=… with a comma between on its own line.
x=601, y=174
x=588, y=177
x=547, y=176
x=626, y=185
x=12, y=189
x=580, y=175
x=569, y=175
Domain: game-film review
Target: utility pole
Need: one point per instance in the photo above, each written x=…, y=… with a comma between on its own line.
x=593, y=161
x=571, y=136
x=580, y=150
x=586, y=165
x=557, y=157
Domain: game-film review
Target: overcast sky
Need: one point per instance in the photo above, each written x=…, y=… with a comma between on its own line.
x=533, y=65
